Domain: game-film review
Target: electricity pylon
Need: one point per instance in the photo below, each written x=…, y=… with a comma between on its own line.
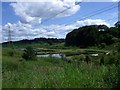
x=9, y=35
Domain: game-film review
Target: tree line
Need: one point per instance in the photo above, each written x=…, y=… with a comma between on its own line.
x=50, y=41
x=93, y=35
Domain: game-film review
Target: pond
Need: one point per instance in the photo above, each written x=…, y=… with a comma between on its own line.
x=61, y=55
x=53, y=55
x=95, y=55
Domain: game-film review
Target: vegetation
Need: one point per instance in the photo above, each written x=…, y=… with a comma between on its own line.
x=49, y=72
x=78, y=69
x=94, y=35
x=29, y=54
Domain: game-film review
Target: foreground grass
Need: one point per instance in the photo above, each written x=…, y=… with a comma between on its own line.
x=45, y=73
x=52, y=72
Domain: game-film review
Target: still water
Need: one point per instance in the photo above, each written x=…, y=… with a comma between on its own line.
x=53, y=55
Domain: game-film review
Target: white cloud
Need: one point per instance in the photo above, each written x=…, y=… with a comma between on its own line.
x=62, y=30
x=91, y=22
x=34, y=11
x=21, y=31
x=115, y=0
x=97, y=0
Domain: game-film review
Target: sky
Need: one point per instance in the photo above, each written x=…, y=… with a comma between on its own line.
x=54, y=18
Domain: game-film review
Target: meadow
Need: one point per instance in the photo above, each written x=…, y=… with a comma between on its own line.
x=53, y=72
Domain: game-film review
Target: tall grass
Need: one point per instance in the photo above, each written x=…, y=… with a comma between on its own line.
x=51, y=72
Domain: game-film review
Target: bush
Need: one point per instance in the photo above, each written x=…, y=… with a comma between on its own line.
x=87, y=59
x=82, y=57
x=102, y=45
x=118, y=48
x=112, y=76
x=11, y=53
x=29, y=54
x=112, y=59
x=102, y=60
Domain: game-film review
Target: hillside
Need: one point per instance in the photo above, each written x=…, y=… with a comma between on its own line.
x=94, y=35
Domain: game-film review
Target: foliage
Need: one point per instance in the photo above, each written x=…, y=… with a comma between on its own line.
x=112, y=76
x=111, y=59
x=92, y=35
x=11, y=53
x=118, y=48
x=102, y=45
x=50, y=72
x=102, y=60
x=47, y=74
x=29, y=54
x=87, y=59
x=117, y=24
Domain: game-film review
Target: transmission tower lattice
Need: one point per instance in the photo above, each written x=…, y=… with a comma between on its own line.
x=9, y=35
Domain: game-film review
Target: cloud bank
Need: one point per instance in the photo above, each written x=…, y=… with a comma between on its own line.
x=21, y=31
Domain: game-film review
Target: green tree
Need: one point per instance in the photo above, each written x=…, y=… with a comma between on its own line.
x=29, y=54
x=117, y=24
x=71, y=38
x=92, y=35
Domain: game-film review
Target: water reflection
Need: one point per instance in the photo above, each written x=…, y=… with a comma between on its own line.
x=52, y=55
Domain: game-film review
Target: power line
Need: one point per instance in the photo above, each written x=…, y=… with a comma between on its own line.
x=102, y=10
x=94, y=14
x=56, y=15
x=72, y=7
x=112, y=19
x=59, y=13
x=119, y=11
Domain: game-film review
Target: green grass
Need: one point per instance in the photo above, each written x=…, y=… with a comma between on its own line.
x=44, y=73
x=53, y=72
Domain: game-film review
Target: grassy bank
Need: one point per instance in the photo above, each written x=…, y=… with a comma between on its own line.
x=49, y=72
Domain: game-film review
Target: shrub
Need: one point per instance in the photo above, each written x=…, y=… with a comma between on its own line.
x=102, y=60
x=112, y=59
x=112, y=77
x=11, y=53
x=118, y=48
x=82, y=57
x=29, y=54
x=102, y=45
x=87, y=59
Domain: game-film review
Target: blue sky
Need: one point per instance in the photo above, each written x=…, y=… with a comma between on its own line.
x=12, y=14
x=86, y=9
x=8, y=14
